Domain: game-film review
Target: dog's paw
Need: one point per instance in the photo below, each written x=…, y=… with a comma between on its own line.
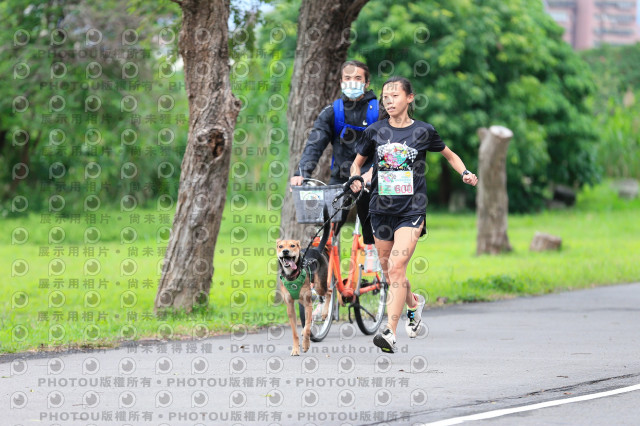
x=305, y=344
x=295, y=351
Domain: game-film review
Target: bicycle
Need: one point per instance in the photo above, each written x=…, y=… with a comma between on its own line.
x=365, y=290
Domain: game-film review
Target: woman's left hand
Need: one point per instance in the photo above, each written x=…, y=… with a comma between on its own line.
x=470, y=179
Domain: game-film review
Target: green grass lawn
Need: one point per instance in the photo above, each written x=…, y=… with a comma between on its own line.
x=57, y=292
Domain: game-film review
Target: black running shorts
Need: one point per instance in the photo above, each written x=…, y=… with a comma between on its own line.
x=385, y=226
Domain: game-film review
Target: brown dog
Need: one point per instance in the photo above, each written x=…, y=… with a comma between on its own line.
x=294, y=277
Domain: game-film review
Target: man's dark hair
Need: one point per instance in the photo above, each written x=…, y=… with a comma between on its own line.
x=356, y=64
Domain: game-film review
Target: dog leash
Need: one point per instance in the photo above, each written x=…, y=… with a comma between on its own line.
x=344, y=206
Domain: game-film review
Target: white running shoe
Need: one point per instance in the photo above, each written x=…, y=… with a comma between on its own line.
x=414, y=317
x=386, y=341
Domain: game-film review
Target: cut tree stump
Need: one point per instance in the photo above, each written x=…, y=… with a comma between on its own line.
x=627, y=189
x=564, y=194
x=543, y=242
x=492, y=199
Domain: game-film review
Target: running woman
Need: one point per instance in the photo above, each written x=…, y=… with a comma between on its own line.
x=398, y=145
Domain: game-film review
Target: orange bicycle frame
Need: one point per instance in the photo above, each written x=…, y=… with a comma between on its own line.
x=347, y=286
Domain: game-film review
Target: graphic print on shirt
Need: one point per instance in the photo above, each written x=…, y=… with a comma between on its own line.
x=395, y=176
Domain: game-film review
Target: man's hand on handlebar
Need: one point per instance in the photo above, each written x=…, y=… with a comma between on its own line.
x=296, y=180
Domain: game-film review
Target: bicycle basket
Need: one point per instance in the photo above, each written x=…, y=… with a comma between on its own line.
x=309, y=201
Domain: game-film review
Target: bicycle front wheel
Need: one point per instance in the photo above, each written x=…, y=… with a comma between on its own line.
x=322, y=312
x=369, y=307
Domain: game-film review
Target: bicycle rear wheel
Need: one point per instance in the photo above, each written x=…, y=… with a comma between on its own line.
x=321, y=306
x=369, y=307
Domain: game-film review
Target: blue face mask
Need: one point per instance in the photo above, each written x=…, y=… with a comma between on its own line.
x=352, y=89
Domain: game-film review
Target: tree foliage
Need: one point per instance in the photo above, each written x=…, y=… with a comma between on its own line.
x=82, y=118
x=474, y=64
x=616, y=107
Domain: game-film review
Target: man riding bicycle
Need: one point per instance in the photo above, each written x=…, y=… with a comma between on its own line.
x=341, y=124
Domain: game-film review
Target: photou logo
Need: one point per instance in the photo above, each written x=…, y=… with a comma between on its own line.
x=92, y=299
x=18, y=400
x=163, y=399
x=310, y=398
x=237, y=399
x=418, y=364
x=90, y=399
x=347, y=330
x=382, y=364
x=275, y=332
x=239, y=332
x=237, y=365
x=418, y=397
x=346, y=398
x=126, y=366
x=199, y=365
x=274, y=398
x=55, y=399
x=382, y=397
x=274, y=365
x=164, y=365
x=90, y=366
x=55, y=366
x=19, y=300
x=92, y=332
x=310, y=365
x=127, y=399
x=19, y=236
x=199, y=399
x=18, y=367
x=346, y=364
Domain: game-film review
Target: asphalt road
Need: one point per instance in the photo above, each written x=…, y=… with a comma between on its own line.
x=475, y=358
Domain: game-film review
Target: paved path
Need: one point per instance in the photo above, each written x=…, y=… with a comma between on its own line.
x=475, y=358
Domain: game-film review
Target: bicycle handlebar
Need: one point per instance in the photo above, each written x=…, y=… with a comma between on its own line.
x=353, y=179
x=347, y=192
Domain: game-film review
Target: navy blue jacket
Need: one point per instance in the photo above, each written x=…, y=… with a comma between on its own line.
x=344, y=150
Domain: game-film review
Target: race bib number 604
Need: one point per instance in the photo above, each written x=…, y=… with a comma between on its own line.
x=395, y=182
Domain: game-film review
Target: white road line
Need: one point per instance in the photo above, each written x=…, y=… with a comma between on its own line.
x=507, y=411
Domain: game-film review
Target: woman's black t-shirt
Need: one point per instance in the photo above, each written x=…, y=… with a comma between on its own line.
x=398, y=185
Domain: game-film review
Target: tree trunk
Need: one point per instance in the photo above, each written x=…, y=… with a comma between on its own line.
x=213, y=110
x=492, y=199
x=324, y=30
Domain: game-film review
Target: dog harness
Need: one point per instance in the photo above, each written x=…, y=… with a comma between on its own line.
x=293, y=287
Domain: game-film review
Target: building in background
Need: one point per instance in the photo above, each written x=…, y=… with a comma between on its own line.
x=590, y=23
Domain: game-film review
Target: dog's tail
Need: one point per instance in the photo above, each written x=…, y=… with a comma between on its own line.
x=327, y=229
